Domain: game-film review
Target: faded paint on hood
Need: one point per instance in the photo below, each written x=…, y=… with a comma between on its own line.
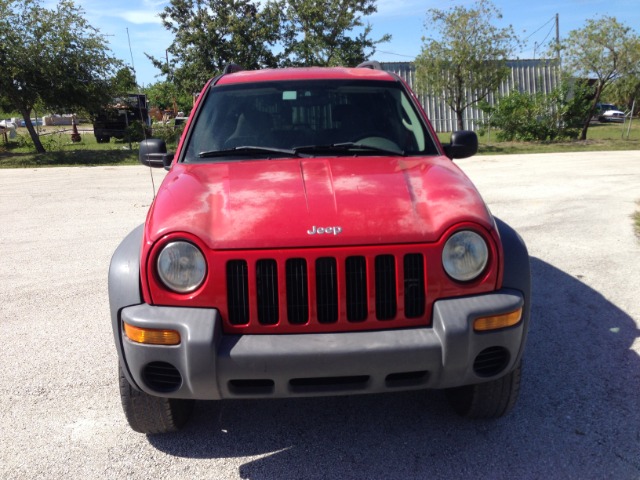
x=279, y=203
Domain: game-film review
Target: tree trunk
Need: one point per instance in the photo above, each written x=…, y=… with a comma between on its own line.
x=596, y=99
x=26, y=114
x=460, y=119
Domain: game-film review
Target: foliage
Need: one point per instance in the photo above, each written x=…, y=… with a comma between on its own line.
x=318, y=32
x=123, y=82
x=135, y=132
x=623, y=91
x=169, y=133
x=539, y=117
x=604, y=48
x=210, y=34
x=51, y=57
x=163, y=94
x=467, y=62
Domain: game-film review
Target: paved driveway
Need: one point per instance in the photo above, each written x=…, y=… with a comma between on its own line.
x=579, y=412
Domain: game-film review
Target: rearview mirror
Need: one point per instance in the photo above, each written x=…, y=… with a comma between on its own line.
x=464, y=143
x=153, y=153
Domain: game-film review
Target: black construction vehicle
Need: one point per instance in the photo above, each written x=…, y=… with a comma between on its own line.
x=123, y=112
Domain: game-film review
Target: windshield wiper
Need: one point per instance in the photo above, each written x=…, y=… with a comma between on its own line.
x=247, y=149
x=351, y=147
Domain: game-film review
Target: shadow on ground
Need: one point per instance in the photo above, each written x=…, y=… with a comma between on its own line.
x=578, y=414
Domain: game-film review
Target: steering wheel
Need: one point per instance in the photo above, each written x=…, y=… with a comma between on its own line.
x=375, y=139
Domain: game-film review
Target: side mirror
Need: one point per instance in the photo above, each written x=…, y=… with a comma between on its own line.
x=153, y=153
x=463, y=144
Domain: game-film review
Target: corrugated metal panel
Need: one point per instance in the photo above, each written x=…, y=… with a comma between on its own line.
x=528, y=76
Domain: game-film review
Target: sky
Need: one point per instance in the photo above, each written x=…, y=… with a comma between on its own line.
x=133, y=27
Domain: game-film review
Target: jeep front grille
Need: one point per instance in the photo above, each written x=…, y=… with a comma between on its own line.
x=326, y=293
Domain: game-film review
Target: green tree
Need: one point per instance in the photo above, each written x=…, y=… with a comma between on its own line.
x=324, y=33
x=604, y=48
x=623, y=91
x=465, y=62
x=52, y=58
x=210, y=34
x=164, y=94
x=124, y=82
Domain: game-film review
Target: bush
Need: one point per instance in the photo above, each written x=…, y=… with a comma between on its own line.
x=135, y=132
x=168, y=132
x=539, y=117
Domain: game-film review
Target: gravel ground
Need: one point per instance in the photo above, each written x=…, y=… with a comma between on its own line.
x=579, y=411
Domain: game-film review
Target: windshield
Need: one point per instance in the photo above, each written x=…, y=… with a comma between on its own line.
x=307, y=118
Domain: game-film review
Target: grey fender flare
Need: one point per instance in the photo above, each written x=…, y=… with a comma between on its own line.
x=124, y=286
x=517, y=270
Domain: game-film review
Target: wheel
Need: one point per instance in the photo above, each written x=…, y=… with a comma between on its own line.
x=377, y=140
x=148, y=414
x=492, y=399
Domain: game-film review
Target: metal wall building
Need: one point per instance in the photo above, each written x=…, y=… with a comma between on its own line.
x=528, y=76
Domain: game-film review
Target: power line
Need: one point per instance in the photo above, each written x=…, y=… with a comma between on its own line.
x=547, y=23
x=397, y=54
x=549, y=33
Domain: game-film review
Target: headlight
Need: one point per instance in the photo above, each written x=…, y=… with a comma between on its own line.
x=465, y=255
x=181, y=266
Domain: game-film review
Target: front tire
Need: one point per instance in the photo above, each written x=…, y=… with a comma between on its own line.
x=149, y=414
x=488, y=400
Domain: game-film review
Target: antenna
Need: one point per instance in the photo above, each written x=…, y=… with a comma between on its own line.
x=144, y=128
x=133, y=67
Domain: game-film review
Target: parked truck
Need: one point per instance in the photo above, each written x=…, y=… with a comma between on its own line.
x=123, y=112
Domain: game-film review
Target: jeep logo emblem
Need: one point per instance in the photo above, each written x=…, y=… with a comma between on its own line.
x=324, y=230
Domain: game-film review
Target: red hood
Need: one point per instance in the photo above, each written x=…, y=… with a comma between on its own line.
x=353, y=200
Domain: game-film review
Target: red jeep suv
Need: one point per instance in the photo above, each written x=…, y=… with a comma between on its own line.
x=313, y=237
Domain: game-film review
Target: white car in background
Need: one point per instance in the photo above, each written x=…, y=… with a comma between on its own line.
x=609, y=113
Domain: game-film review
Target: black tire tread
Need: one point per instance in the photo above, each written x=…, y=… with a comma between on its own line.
x=493, y=399
x=149, y=414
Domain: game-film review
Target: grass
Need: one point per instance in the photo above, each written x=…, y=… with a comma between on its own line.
x=600, y=137
x=19, y=153
x=636, y=220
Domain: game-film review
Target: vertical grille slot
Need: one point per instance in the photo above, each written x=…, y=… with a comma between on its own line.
x=297, y=291
x=267, y=291
x=414, y=290
x=386, y=304
x=327, y=290
x=238, y=292
x=356, y=280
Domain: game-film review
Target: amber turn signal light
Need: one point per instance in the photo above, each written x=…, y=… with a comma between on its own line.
x=151, y=336
x=495, y=322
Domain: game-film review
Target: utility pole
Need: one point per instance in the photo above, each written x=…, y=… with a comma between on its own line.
x=558, y=38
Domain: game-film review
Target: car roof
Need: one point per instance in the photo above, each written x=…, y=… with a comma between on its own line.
x=305, y=73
